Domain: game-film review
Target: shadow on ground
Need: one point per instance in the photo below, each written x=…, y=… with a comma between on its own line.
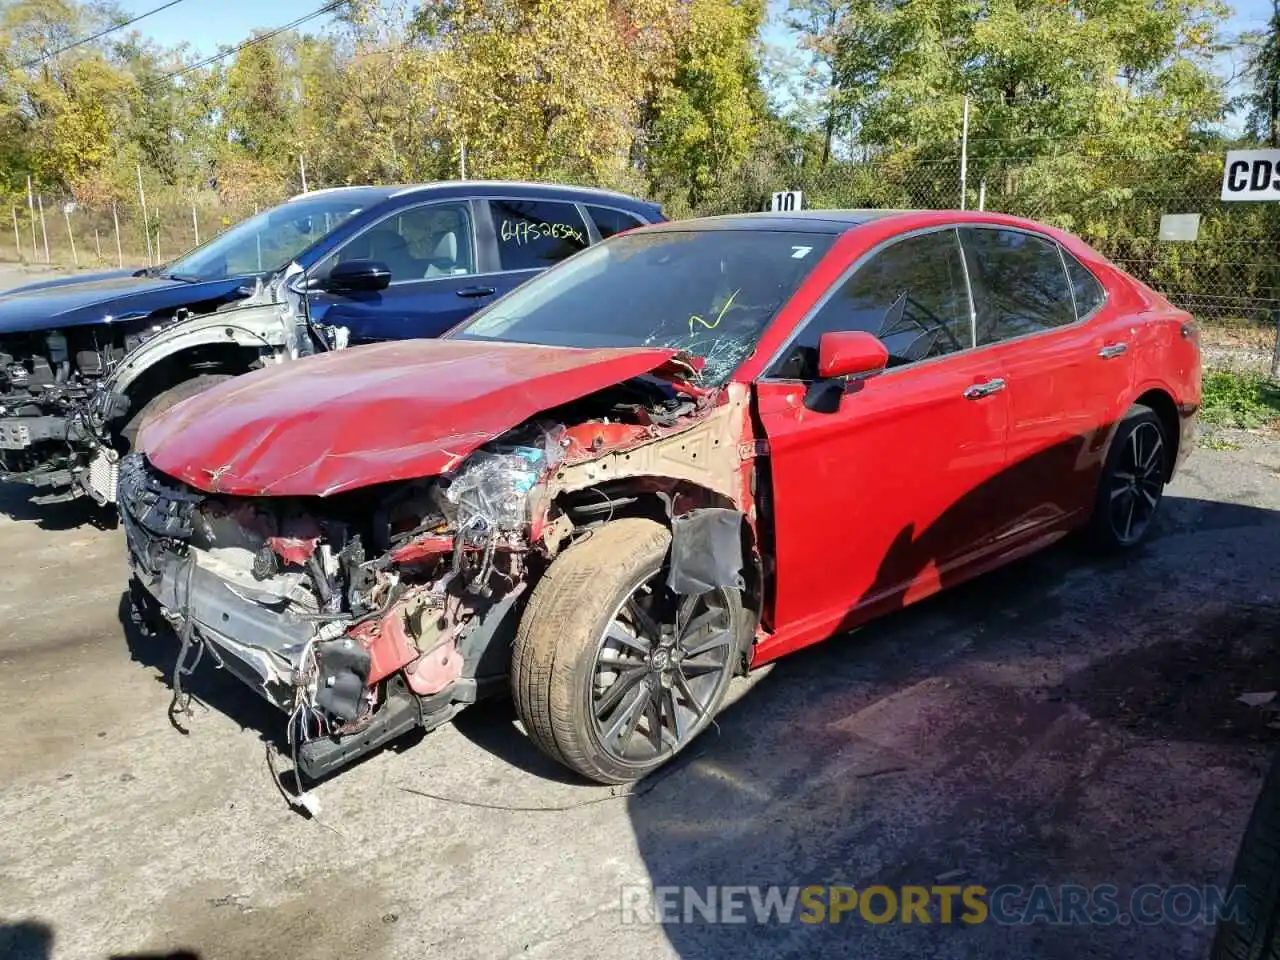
x=1062, y=721
x=15, y=502
x=34, y=940
x=1065, y=720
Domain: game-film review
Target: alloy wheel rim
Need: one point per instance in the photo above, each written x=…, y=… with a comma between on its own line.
x=657, y=668
x=1137, y=483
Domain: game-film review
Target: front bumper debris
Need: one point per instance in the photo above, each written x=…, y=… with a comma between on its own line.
x=250, y=633
x=259, y=632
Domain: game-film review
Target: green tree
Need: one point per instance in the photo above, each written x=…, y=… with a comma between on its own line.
x=707, y=118
x=1263, y=74
x=820, y=26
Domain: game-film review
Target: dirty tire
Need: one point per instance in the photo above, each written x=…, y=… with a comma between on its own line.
x=555, y=646
x=1254, y=933
x=163, y=401
x=1102, y=529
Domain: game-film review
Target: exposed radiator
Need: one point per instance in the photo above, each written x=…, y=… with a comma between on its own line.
x=104, y=475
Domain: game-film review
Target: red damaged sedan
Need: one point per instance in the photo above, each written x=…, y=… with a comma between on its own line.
x=679, y=454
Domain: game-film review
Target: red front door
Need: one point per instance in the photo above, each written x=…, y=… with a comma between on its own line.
x=874, y=504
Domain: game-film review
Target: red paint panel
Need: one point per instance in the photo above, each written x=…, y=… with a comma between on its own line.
x=882, y=498
x=389, y=647
x=372, y=414
x=294, y=550
x=423, y=547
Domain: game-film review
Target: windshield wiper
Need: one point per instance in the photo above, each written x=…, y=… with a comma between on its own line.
x=184, y=277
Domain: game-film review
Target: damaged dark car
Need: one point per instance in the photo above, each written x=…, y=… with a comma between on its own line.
x=684, y=452
x=84, y=362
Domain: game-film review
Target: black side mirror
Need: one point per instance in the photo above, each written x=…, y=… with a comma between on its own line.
x=358, y=276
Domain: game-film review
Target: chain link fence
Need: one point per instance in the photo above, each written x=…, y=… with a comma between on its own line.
x=1228, y=276
x=70, y=233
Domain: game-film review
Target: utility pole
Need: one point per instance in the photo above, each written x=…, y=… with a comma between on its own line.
x=1273, y=62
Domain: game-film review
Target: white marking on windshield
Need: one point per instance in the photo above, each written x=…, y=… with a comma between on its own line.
x=799, y=253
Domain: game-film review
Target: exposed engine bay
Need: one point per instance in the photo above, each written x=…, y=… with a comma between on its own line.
x=46, y=380
x=368, y=613
x=68, y=399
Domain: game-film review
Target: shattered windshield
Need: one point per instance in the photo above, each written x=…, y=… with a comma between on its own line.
x=709, y=293
x=267, y=242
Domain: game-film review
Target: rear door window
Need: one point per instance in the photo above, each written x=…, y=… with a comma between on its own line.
x=535, y=234
x=609, y=221
x=1020, y=285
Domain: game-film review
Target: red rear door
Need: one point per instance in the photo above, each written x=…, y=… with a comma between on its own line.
x=879, y=490
x=1067, y=368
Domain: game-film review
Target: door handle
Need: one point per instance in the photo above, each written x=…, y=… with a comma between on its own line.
x=1112, y=350
x=980, y=390
x=476, y=292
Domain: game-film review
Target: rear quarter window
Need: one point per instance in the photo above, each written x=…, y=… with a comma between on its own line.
x=609, y=222
x=1087, y=289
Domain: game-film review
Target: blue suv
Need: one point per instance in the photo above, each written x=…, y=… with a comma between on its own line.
x=83, y=361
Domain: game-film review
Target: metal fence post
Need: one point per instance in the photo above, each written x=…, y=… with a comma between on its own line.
x=31, y=209
x=1275, y=353
x=44, y=229
x=66, y=215
x=17, y=235
x=195, y=224
x=115, y=218
x=964, y=152
x=146, y=224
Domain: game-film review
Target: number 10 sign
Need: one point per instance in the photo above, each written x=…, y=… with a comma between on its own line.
x=786, y=201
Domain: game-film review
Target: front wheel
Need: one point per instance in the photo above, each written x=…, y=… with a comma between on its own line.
x=1253, y=930
x=169, y=398
x=612, y=673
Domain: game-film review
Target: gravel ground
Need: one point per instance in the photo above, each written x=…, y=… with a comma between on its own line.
x=1064, y=721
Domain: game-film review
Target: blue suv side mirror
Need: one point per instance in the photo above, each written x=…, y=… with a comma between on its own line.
x=358, y=276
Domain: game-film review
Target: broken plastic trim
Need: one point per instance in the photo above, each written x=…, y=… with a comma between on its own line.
x=706, y=551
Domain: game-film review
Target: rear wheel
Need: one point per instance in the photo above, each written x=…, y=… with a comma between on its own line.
x=169, y=398
x=612, y=673
x=1133, y=480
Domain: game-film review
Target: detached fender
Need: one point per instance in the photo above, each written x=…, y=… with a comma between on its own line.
x=267, y=328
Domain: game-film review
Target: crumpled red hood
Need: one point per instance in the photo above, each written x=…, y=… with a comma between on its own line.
x=372, y=414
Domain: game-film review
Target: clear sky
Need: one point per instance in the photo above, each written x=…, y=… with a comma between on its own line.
x=209, y=24
x=206, y=24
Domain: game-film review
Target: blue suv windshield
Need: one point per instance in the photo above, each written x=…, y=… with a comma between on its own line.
x=708, y=293
x=267, y=242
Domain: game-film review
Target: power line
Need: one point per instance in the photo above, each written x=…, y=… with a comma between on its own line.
x=261, y=38
x=101, y=33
